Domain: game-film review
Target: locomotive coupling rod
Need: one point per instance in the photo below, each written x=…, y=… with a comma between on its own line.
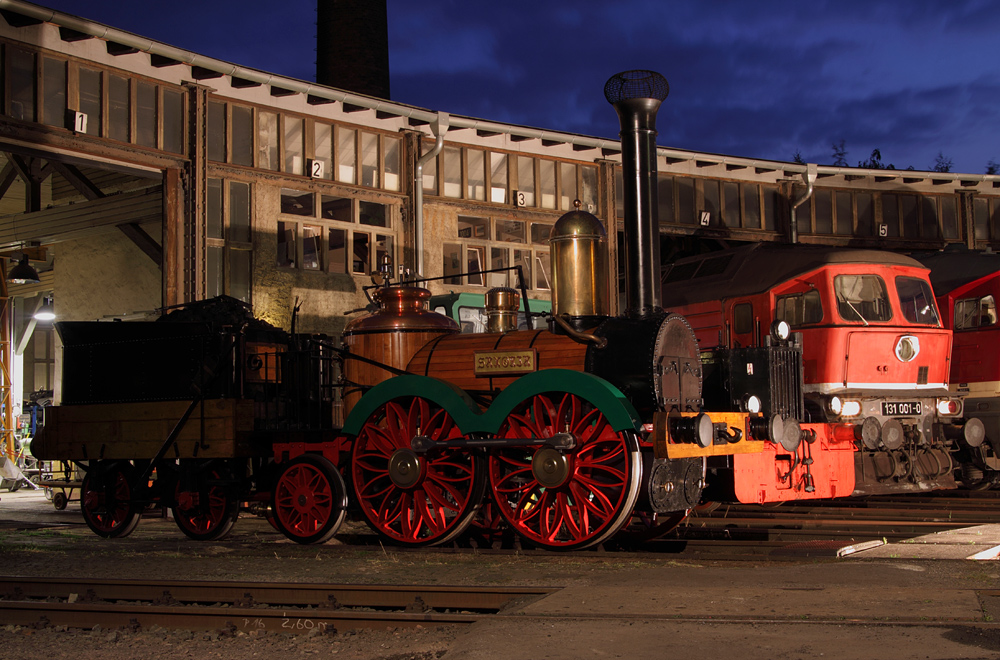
x=422, y=444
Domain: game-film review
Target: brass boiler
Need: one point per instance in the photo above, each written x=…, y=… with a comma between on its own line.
x=391, y=335
x=502, y=304
x=579, y=246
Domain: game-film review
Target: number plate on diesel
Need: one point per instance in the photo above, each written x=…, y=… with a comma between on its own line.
x=893, y=408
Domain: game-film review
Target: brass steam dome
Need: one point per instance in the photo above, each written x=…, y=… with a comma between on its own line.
x=579, y=245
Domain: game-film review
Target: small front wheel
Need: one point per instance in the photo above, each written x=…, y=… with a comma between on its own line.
x=309, y=501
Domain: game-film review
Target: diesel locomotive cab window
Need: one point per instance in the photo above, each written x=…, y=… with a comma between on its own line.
x=799, y=308
x=862, y=298
x=975, y=313
x=916, y=300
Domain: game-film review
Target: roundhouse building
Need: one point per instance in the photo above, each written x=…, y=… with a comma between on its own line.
x=135, y=175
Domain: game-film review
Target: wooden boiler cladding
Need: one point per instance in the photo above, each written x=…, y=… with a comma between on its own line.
x=391, y=335
x=454, y=358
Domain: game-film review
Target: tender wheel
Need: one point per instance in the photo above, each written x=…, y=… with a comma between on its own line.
x=409, y=498
x=59, y=500
x=106, y=499
x=206, y=507
x=565, y=501
x=309, y=500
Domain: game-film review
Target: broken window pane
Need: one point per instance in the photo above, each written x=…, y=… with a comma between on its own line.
x=323, y=134
x=267, y=140
x=498, y=178
x=311, y=247
x=567, y=187
x=362, y=253
x=294, y=148
x=369, y=159
x=286, y=244
x=547, y=183
x=452, y=263
x=476, y=175
x=390, y=159
x=346, y=155
x=429, y=171
x=452, y=172
x=525, y=181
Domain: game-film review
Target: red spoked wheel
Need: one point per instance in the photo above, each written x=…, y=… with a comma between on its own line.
x=106, y=499
x=415, y=498
x=309, y=501
x=565, y=500
x=206, y=505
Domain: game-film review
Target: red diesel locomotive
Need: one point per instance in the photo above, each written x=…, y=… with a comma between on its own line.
x=876, y=354
x=967, y=285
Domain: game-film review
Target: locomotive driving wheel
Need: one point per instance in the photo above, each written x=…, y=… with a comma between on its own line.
x=564, y=500
x=415, y=498
x=206, y=507
x=106, y=499
x=309, y=499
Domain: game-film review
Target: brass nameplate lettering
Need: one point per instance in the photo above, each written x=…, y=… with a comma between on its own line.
x=505, y=363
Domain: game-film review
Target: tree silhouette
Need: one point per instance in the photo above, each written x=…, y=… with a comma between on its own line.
x=797, y=158
x=992, y=167
x=839, y=154
x=942, y=163
x=874, y=162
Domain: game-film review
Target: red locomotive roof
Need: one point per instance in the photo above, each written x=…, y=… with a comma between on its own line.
x=757, y=268
x=957, y=266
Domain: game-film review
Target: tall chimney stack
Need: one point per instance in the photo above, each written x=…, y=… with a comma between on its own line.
x=352, y=46
x=636, y=96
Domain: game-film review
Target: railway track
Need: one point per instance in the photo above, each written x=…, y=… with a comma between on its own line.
x=247, y=606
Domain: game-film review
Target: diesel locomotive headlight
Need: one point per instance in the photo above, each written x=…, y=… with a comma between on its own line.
x=907, y=348
x=751, y=403
x=835, y=405
x=949, y=407
x=851, y=408
x=780, y=330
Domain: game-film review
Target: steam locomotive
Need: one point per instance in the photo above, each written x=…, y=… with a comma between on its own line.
x=566, y=433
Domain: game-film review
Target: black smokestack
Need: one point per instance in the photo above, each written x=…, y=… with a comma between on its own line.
x=352, y=46
x=636, y=96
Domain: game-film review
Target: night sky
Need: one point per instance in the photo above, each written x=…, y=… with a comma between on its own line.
x=913, y=78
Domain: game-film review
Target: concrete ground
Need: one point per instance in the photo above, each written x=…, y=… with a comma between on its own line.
x=936, y=596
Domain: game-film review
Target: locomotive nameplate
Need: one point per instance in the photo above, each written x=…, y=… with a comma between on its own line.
x=665, y=447
x=505, y=363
